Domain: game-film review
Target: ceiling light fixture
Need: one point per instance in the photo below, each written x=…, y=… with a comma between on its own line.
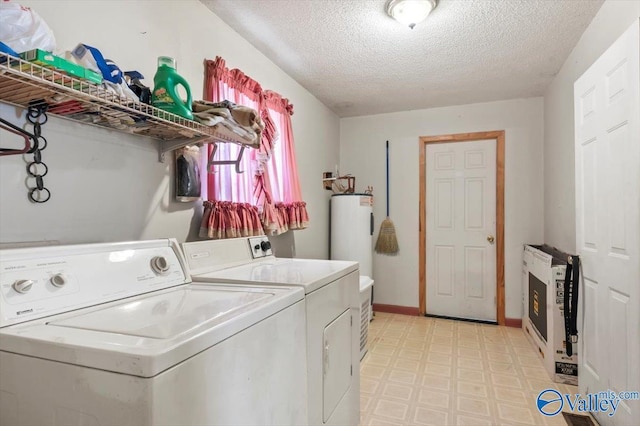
x=410, y=12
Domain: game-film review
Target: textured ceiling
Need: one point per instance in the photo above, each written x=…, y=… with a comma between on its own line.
x=358, y=61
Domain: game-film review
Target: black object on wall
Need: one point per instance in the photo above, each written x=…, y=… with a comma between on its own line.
x=188, y=183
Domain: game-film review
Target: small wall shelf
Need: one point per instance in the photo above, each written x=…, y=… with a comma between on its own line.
x=24, y=83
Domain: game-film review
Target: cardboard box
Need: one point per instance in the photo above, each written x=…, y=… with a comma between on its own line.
x=49, y=60
x=39, y=57
x=92, y=76
x=543, y=322
x=70, y=68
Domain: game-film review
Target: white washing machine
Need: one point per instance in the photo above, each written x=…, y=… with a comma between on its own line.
x=332, y=309
x=114, y=334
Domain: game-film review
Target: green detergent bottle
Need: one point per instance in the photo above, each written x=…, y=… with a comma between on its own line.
x=165, y=95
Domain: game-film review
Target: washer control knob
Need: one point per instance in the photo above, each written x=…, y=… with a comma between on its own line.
x=22, y=286
x=160, y=265
x=265, y=245
x=58, y=280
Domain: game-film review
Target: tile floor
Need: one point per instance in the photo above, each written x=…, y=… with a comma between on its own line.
x=427, y=371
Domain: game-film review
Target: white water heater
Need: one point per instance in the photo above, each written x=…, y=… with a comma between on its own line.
x=352, y=239
x=352, y=230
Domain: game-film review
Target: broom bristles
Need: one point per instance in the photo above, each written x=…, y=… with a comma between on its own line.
x=387, y=242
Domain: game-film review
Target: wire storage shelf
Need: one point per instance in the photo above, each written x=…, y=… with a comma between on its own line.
x=24, y=83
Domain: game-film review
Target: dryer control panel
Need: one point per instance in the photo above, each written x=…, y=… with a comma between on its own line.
x=42, y=281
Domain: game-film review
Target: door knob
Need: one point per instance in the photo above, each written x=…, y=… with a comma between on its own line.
x=490, y=239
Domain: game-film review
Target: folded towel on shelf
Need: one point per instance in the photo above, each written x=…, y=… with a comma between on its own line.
x=248, y=117
x=240, y=131
x=210, y=108
x=242, y=120
x=208, y=119
x=243, y=115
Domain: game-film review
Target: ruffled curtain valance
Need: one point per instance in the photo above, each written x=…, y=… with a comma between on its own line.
x=234, y=78
x=226, y=219
x=292, y=215
x=277, y=103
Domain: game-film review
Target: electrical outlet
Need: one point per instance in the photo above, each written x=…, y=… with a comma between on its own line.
x=260, y=247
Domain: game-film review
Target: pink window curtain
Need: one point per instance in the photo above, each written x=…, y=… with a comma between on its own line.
x=233, y=85
x=282, y=171
x=269, y=186
x=231, y=210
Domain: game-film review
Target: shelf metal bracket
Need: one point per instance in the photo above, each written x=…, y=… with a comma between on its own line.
x=168, y=146
x=235, y=162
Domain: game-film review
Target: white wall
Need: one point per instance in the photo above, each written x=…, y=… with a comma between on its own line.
x=109, y=186
x=611, y=21
x=362, y=153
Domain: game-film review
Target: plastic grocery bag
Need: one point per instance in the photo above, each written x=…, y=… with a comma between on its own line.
x=23, y=29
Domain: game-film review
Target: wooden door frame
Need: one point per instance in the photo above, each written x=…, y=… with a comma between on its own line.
x=498, y=135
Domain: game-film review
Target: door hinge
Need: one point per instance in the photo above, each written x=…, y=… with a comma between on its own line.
x=352, y=369
x=351, y=320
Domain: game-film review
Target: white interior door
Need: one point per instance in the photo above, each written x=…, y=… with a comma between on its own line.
x=607, y=114
x=461, y=229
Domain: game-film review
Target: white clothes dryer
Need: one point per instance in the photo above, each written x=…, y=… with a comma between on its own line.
x=332, y=301
x=106, y=334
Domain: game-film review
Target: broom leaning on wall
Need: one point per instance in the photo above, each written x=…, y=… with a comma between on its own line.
x=387, y=241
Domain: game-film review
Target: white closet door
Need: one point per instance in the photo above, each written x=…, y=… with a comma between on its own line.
x=607, y=148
